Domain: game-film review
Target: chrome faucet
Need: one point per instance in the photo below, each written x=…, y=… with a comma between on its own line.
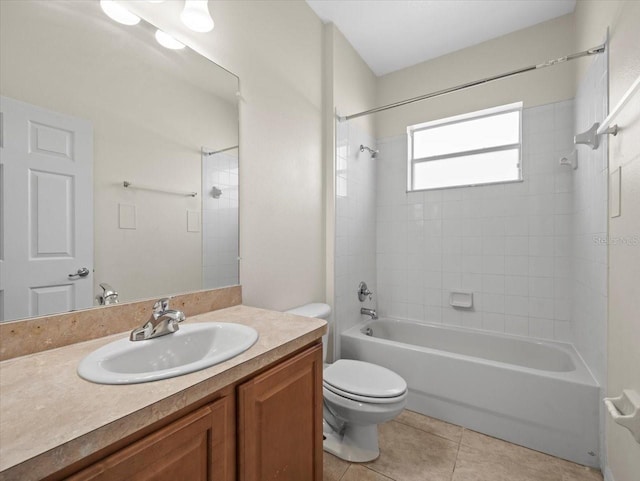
x=369, y=312
x=108, y=296
x=163, y=321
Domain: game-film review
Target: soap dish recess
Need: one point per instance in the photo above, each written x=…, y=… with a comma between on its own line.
x=461, y=299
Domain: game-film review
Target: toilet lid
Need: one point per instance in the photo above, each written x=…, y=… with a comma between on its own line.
x=364, y=379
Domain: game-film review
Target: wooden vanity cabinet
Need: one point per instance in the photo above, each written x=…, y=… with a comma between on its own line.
x=280, y=421
x=196, y=447
x=275, y=428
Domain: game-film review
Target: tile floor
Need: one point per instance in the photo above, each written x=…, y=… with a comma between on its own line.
x=414, y=447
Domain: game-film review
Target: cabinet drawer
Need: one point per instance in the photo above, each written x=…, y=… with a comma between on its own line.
x=196, y=447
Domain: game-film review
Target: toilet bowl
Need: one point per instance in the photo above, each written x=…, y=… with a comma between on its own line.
x=357, y=396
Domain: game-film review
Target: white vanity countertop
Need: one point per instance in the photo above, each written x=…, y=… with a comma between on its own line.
x=51, y=418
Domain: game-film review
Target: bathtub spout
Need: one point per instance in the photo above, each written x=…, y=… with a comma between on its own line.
x=369, y=312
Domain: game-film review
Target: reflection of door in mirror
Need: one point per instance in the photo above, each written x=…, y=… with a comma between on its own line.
x=47, y=164
x=152, y=111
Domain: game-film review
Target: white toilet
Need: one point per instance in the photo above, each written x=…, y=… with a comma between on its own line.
x=357, y=397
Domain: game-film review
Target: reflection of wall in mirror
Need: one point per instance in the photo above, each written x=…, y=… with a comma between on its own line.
x=149, y=128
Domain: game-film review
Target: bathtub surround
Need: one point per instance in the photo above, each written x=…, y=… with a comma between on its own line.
x=355, y=259
x=496, y=384
x=589, y=226
x=509, y=244
x=589, y=232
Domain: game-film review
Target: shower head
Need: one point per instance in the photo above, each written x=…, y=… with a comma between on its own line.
x=373, y=153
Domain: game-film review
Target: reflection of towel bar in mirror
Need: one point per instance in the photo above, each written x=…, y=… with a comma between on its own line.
x=214, y=152
x=128, y=185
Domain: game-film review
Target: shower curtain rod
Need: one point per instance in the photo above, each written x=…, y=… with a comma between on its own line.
x=549, y=63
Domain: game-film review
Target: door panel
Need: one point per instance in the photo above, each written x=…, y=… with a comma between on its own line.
x=197, y=447
x=280, y=421
x=46, y=160
x=52, y=299
x=50, y=140
x=51, y=214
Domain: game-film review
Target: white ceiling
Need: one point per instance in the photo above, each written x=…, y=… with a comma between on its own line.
x=393, y=34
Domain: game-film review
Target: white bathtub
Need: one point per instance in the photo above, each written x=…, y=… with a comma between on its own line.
x=536, y=394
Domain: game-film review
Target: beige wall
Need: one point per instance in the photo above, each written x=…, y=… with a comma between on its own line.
x=533, y=45
x=275, y=48
x=354, y=82
x=623, y=19
x=149, y=119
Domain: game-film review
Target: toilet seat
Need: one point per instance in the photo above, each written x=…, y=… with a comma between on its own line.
x=364, y=399
x=363, y=381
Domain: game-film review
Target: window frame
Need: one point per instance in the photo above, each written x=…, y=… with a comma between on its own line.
x=478, y=114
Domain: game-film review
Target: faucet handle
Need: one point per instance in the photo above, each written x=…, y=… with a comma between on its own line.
x=161, y=305
x=108, y=296
x=363, y=292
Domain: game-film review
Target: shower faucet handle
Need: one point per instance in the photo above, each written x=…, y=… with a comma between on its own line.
x=364, y=292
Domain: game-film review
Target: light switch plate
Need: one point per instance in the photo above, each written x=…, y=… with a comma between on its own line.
x=193, y=221
x=615, y=192
x=126, y=216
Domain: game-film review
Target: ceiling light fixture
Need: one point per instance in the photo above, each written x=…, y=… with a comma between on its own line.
x=196, y=16
x=119, y=13
x=168, y=41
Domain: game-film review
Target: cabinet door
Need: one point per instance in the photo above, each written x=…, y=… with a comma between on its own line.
x=197, y=447
x=280, y=421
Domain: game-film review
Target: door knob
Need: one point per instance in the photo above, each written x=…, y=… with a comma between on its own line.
x=82, y=272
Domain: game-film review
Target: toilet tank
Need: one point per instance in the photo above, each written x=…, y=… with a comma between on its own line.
x=321, y=311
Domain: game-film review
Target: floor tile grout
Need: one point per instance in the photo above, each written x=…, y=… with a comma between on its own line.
x=521, y=462
x=457, y=456
x=429, y=432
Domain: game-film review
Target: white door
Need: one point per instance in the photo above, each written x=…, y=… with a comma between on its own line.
x=46, y=165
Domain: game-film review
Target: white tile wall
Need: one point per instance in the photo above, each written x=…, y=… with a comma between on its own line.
x=589, y=232
x=220, y=221
x=509, y=244
x=355, y=256
x=531, y=252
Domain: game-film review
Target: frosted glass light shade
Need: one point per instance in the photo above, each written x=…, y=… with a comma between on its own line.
x=119, y=13
x=168, y=41
x=196, y=16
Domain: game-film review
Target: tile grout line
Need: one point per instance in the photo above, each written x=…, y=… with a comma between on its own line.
x=430, y=432
x=455, y=464
x=462, y=428
x=367, y=468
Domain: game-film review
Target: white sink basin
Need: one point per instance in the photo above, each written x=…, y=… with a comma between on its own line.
x=193, y=347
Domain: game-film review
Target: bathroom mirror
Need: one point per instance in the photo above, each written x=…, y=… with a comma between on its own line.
x=89, y=105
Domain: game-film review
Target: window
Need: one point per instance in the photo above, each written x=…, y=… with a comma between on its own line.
x=471, y=149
